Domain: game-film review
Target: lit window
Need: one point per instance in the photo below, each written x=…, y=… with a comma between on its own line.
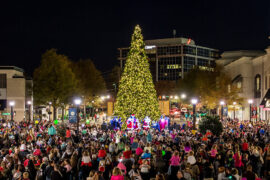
x=239, y=84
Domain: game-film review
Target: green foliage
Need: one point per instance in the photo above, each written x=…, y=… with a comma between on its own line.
x=165, y=88
x=54, y=80
x=136, y=94
x=112, y=80
x=90, y=80
x=211, y=123
x=209, y=86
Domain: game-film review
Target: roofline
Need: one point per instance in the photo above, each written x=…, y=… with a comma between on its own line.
x=178, y=45
x=11, y=68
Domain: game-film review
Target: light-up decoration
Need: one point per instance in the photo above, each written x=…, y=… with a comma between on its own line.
x=132, y=123
x=164, y=122
x=116, y=123
x=146, y=123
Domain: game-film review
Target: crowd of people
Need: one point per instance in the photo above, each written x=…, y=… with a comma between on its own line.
x=37, y=151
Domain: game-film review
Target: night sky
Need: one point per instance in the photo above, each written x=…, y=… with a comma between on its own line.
x=95, y=29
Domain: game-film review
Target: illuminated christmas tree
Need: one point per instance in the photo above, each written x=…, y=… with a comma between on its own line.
x=136, y=94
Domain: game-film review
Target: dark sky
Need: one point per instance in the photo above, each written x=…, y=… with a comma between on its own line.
x=95, y=29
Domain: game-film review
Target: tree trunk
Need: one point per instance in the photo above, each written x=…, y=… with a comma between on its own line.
x=63, y=112
x=54, y=112
x=84, y=110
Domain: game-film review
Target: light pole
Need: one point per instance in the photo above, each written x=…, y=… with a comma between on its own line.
x=194, y=102
x=250, y=102
x=78, y=102
x=234, y=103
x=50, y=104
x=222, y=104
x=29, y=109
x=183, y=96
x=12, y=103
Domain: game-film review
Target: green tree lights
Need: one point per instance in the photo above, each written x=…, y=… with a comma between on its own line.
x=137, y=94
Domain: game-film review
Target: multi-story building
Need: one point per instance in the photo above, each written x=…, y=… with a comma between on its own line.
x=170, y=58
x=250, y=71
x=13, y=87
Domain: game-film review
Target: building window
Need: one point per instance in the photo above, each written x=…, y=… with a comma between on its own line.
x=239, y=84
x=3, y=81
x=202, y=62
x=189, y=50
x=238, y=80
x=257, y=85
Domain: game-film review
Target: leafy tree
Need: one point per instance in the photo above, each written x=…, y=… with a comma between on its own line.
x=112, y=80
x=211, y=123
x=209, y=86
x=165, y=88
x=90, y=81
x=136, y=94
x=54, y=80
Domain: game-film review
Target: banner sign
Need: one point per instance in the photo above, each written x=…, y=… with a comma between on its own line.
x=254, y=112
x=225, y=111
x=72, y=115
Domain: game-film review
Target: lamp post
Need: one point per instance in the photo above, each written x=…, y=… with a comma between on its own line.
x=183, y=96
x=50, y=104
x=12, y=103
x=77, y=103
x=234, y=103
x=250, y=102
x=222, y=104
x=194, y=102
x=29, y=109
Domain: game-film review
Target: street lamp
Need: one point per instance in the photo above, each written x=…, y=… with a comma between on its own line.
x=12, y=103
x=183, y=96
x=250, y=102
x=194, y=102
x=234, y=103
x=222, y=104
x=175, y=97
x=29, y=111
x=77, y=103
x=50, y=104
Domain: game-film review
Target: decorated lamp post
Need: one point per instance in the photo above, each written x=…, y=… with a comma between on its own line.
x=194, y=102
x=12, y=103
x=222, y=105
x=77, y=103
x=234, y=103
x=250, y=102
x=29, y=110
